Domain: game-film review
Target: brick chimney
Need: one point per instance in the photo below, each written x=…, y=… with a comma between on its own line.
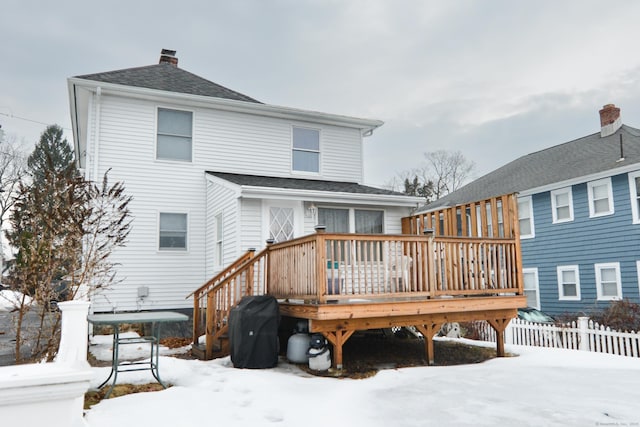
x=168, y=57
x=610, y=120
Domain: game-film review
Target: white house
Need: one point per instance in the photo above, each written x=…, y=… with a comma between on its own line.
x=213, y=173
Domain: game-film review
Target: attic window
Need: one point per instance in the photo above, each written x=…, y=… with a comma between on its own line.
x=306, y=150
x=174, y=135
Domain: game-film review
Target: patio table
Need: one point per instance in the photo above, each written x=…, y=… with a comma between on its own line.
x=155, y=318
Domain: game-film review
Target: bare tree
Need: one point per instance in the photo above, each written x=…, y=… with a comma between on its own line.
x=64, y=229
x=441, y=173
x=13, y=160
x=449, y=170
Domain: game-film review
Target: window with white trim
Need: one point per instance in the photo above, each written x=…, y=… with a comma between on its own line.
x=531, y=287
x=608, y=283
x=562, y=205
x=306, y=150
x=219, y=239
x=525, y=217
x=173, y=231
x=634, y=189
x=174, y=135
x=600, y=197
x=568, y=282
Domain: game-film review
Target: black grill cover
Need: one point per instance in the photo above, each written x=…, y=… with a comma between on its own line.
x=253, y=332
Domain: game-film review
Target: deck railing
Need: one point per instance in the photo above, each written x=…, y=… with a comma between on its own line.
x=326, y=267
x=352, y=266
x=213, y=301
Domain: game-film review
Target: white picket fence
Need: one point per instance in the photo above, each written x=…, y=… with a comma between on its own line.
x=584, y=334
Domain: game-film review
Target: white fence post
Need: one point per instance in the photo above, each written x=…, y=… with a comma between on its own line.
x=73, y=334
x=583, y=325
x=508, y=333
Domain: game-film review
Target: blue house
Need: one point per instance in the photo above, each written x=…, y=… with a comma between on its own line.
x=579, y=217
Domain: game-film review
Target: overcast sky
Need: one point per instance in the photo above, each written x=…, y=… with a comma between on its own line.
x=493, y=79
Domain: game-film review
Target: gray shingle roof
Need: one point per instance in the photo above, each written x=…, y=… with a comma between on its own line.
x=168, y=78
x=302, y=184
x=581, y=157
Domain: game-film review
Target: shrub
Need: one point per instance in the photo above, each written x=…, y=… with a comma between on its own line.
x=621, y=315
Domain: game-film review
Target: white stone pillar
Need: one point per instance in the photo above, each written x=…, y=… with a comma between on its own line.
x=73, y=335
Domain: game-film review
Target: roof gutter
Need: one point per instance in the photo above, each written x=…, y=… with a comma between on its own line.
x=367, y=126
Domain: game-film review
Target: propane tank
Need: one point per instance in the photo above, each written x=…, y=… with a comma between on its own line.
x=297, y=348
x=319, y=354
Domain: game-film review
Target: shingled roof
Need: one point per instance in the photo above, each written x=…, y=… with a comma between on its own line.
x=167, y=77
x=582, y=157
x=302, y=184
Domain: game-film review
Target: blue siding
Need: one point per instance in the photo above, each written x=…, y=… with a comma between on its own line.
x=584, y=242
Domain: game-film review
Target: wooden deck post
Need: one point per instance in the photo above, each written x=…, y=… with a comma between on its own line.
x=210, y=326
x=428, y=331
x=337, y=339
x=499, y=325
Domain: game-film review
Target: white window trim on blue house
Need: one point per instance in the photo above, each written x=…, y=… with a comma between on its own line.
x=599, y=282
x=526, y=215
x=561, y=269
x=555, y=207
x=594, y=210
x=634, y=194
x=531, y=284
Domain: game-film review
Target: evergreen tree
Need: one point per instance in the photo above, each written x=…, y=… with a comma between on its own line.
x=52, y=154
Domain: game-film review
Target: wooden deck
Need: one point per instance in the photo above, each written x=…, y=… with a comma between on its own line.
x=342, y=283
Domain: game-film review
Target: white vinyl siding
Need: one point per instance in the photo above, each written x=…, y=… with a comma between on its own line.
x=608, y=283
x=221, y=141
x=562, y=205
x=569, y=282
x=305, y=156
x=531, y=287
x=525, y=216
x=634, y=189
x=600, y=198
x=174, y=136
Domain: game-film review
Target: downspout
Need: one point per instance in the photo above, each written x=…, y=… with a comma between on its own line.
x=96, y=142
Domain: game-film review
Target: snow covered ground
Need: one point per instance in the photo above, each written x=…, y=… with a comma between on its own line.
x=540, y=387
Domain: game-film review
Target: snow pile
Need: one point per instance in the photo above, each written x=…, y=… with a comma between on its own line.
x=549, y=387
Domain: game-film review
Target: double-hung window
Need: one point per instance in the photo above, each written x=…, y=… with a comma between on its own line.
x=525, y=216
x=634, y=188
x=173, y=231
x=600, y=197
x=608, y=283
x=568, y=282
x=306, y=150
x=174, y=135
x=219, y=239
x=562, y=205
x=531, y=291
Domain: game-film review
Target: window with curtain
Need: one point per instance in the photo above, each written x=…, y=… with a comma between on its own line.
x=174, y=135
x=368, y=222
